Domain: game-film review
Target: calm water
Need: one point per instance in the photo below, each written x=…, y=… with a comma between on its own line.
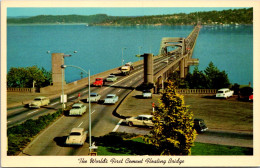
x=100, y=48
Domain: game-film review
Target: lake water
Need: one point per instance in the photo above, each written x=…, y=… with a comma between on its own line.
x=99, y=48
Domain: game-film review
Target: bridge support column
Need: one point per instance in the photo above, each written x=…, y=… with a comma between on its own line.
x=148, y=68
x=182, y=71
x=57, y=61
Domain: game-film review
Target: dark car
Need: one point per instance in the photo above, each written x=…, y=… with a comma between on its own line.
x=199, y=125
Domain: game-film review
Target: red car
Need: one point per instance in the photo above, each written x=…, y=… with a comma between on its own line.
x=98, y=82
x=251, y=97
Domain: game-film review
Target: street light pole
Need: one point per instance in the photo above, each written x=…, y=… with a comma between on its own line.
x=89, y=101
x=90, y=143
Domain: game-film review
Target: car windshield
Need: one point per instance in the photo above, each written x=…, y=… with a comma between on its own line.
x=76, y=107
x=220, y=91
x=93, y=95
x=146, y=91
x=111, y=76
x=110, y=96
x=98, y=79
x=75, y=133
x=38, y=99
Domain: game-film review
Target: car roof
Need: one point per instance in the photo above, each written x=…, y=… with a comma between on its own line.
x=40, y=97
x=223, y=89
x=111, y=95
x=148, y=116
x=77, y=104
x=77, y=129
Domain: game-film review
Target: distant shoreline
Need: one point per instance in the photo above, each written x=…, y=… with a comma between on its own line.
x=68, y=24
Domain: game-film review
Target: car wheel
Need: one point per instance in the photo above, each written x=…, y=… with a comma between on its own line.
x=130, y=124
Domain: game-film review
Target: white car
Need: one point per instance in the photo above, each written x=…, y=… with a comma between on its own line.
x=111, y=99
x=77, y=136
x=78, y=109
x=141, y=120
x=111, y=78
x=224, y=93
x=94, y=97
x=147, y=94
x=39, y=101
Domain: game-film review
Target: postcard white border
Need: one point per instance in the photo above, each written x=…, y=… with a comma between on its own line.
x=72, y=161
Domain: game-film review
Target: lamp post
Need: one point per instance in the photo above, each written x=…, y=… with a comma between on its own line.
x=89, y=101
x=62, y=83
x=123, y=56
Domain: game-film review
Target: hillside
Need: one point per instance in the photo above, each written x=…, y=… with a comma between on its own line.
x=236, y=16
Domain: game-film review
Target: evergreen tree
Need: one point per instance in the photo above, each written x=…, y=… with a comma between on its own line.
x=173, y=132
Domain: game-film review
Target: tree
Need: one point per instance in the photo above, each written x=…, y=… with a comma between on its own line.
x=173, y=132
x=215, y=78
x=23, y=77
x=197, y=80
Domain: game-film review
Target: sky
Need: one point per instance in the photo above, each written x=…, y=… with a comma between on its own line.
x=12, y=12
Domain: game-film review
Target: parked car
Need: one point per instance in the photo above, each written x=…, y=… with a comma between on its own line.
x=94, y=97
x=39, y=101
x=111, y=78
x=98, y=82
x=224, y=93
x=141, y=120
x=78, y=109
x=251, y=97
x=199, y=125
x=111, y=99
x=77, y=137
x=147, y=94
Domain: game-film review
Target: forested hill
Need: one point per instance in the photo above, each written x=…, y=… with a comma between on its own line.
x=235, y=16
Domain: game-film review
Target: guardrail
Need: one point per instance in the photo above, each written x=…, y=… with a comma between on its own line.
x=20, y=89
x=196, y=91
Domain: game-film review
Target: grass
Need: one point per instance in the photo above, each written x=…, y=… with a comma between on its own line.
x=115, y=144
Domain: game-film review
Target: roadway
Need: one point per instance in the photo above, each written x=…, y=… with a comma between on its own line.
x=51, y=140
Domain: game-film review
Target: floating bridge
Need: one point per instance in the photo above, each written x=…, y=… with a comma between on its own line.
x=179, y=59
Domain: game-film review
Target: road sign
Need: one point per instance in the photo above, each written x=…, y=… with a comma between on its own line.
x=65, y=98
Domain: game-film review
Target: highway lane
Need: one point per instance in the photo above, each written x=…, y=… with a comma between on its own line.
x=51, y=141
x=20, y=114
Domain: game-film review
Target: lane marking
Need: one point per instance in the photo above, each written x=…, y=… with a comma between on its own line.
x=80, y=124
x=71, y=97
x=119, y=90
x=93, y=111
x=32, y=112
x=54, y=103
x=117, y=126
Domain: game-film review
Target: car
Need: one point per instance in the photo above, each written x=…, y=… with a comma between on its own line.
x=98, y=82
x=147, y=94
x=39, y=101
x=94, y=97
x=78, y=109
x=77, y=136
x=111, y=78
x=224, y=93
x=199, y=125
x=141, y=120
x=111, y=99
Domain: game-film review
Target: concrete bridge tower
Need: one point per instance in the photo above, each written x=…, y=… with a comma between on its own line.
x=57, y=61
x=148, y=68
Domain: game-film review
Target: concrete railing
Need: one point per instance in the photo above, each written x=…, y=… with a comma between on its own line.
x=20, y=89
x=196, y=91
